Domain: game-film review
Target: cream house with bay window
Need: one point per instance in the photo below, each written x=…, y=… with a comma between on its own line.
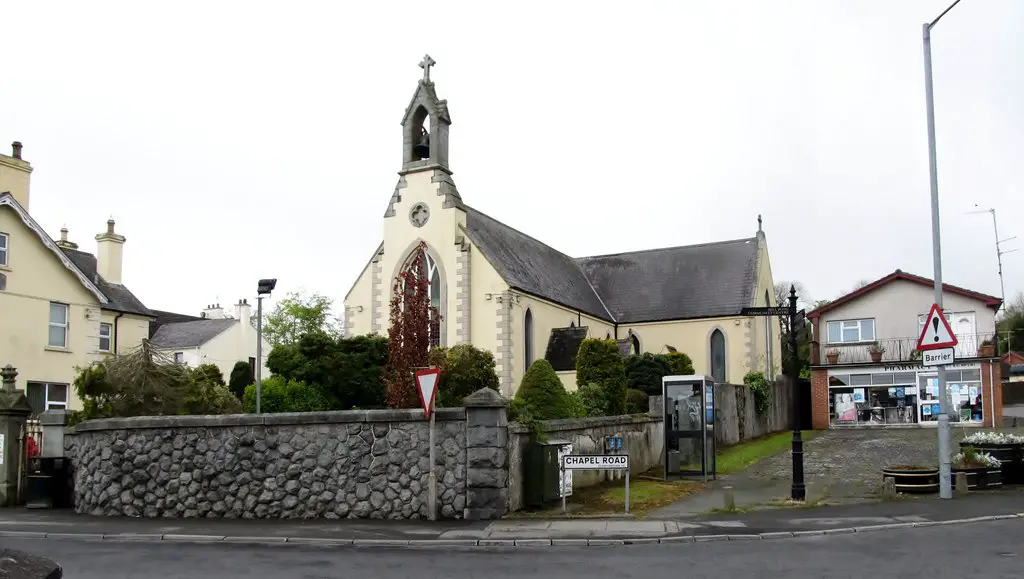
x=504, y=291
x=61, y=308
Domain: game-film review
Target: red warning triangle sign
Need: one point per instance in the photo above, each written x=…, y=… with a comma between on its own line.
x=936, y=334
x=426, y=384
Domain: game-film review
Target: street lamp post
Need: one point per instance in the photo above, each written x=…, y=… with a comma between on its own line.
x=263, y=288
x=945, y=486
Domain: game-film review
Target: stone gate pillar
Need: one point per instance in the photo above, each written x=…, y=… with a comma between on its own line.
x=486, y=455
x=14, y=412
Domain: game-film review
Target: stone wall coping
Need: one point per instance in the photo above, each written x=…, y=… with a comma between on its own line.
x=485, y=398
x=279, y=419
x=53, y=418
x=567, y=424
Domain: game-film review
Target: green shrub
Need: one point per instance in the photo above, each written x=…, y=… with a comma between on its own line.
x=599, y=362
x=347, y=370
x=578, y=408
x=679, y=364
x=644, y=372
x=464, y=370
x=541, y=395
x=636, y=401
x=281, y=395
x=761, y=388
x=591, y=400
x=241, y=376
x=204, y=395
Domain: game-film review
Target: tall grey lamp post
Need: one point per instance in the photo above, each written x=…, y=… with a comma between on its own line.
x=945, y=485
x=263, y=288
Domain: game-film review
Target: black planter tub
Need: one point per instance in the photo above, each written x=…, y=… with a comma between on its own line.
x=1010, y=454
x=981, y=478
x=920, y=480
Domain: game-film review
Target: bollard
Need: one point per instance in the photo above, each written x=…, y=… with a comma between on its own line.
x=729, y=498
x=889, y=488
x=961, y=483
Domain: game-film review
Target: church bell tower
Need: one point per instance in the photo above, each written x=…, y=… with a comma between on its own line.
x=425, y=141
x=425, y=127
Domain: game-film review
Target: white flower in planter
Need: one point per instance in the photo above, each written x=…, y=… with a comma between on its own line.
x=993, y=438
x=980, y=457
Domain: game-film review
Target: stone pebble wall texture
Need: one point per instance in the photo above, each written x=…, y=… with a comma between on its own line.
x=350, y=464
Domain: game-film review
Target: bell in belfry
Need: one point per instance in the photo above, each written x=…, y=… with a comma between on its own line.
x=422, y=147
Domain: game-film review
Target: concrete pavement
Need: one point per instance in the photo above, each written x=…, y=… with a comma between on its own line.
x=760, y=524
x=990, y=549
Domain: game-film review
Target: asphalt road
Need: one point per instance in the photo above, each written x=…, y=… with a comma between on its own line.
x=990, y=549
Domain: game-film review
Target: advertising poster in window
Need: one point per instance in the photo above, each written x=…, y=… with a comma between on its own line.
x=858, y=395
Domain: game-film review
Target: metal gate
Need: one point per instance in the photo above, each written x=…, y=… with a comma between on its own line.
x=31, y=443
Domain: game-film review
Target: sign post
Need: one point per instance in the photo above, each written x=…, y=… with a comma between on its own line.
x=797, y=328
x=936, y=345
x=597, y=462
x=426, y=384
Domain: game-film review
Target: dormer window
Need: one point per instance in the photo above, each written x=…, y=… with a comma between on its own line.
x=4, y=240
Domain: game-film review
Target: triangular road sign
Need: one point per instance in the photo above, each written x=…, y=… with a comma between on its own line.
x=936, y=334
x=426, y=384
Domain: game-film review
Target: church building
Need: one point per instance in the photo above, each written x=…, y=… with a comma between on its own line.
x=504, y=291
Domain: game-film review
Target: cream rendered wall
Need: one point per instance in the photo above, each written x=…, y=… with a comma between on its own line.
x=485, y=283
x=357, y=323
x=130, y=330
x=35, y=277
x=227, y=348
x=15, y=176
x=766, y=284
x=439, y=232
x=547, y=316
x=896, y=306
x=693, y=338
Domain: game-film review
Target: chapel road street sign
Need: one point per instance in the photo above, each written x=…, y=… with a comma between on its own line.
x=596, y=462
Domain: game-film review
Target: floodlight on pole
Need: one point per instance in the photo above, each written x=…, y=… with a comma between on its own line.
x=263, y=288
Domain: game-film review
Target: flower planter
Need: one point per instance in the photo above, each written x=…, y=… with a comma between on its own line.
x=1011, y=454
x=987, y=351
x=876, y=357
x=982, y=477
x=832, y=358
x=922, y=480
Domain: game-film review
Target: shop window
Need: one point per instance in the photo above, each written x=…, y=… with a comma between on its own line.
x=851, y=331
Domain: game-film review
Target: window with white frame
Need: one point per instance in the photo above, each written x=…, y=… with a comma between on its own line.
x=44, y=396
x=179, y=357
x=850, y=331
x=105, y=334
x=58, y=337
x=4, y=242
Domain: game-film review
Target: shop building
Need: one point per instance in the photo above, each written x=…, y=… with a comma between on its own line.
x=866, y=369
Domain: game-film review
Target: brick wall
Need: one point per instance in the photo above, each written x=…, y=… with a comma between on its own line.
x=819, y=399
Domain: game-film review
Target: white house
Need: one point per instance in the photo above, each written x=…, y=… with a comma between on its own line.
x=213, y=337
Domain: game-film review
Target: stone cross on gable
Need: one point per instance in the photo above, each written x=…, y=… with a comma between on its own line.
x=425, y=64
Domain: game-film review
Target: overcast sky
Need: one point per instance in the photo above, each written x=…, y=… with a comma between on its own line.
x=238, y=140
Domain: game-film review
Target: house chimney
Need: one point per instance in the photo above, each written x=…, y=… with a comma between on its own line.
x=15, y=175
x=213, y=312
x=109, y=250
x=64, y=243
x=243, y=313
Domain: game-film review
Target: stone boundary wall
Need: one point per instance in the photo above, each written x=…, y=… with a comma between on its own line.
x=643, y=439
x=349, y=464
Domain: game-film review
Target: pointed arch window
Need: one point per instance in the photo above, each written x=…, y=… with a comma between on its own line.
x=634, y=344
x=718, y=356
x=528, y=339
x=427, y=269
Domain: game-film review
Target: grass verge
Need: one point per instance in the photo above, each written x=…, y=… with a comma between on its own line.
x=742, y=456
x=609, y=498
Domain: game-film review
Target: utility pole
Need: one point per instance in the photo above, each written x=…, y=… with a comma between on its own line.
x=999, y=251
x=945, y=486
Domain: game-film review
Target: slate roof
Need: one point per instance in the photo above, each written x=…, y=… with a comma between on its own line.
x=121, y=299
x=563, y=345
x=695, y=281
x=189, y=334
x=164, y=317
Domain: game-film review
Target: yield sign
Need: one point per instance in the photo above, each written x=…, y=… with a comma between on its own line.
x=426, y=383
x=936, y=334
